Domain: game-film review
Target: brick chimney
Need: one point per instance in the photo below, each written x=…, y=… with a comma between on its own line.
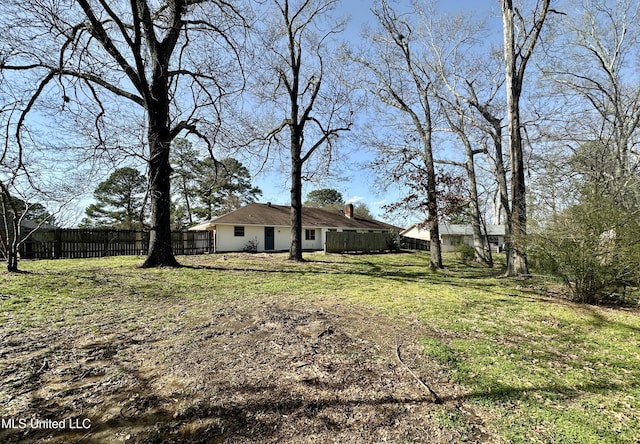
x=348, y=210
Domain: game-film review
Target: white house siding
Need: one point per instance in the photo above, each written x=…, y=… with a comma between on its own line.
x=315, y=244
x=281, y=240
x=226, y=241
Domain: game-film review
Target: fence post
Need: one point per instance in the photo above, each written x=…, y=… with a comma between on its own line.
x=57, y=249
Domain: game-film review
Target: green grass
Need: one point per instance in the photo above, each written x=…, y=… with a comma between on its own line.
x=538, y=369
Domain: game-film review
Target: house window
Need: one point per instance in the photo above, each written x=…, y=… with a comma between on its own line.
x=310, y=235
x=238, y=231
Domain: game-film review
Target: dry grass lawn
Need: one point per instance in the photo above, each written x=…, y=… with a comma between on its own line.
x=243, y=348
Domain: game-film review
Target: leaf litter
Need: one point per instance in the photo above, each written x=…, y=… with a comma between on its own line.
x=266, y=372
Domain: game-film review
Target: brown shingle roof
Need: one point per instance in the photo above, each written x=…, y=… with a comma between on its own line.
x=280, y=215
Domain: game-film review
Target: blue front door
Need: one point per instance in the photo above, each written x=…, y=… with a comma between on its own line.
x=268, y=238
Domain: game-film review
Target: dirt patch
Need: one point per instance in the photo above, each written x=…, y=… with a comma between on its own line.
x=271, y=372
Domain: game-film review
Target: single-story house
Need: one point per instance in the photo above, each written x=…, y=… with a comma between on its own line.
x=267, y=227
x=452, y=236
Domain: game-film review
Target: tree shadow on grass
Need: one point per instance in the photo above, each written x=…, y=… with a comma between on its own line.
x=260, y=418
x=599, y=320
x=361, y=267
x=546, y=401
x=506, y=393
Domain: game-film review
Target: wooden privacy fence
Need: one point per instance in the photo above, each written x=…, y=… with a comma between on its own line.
x=84, y=243
x=347, y=241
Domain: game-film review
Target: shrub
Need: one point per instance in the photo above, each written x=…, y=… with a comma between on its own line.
x=393, y=241
x=251, y=246
x=465, y=252
x=594, y=247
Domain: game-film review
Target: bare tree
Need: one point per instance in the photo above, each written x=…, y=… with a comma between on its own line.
x=303, y=82
x=11, y=234
x=595, y=69
x=490, y=123
x=16, y=207
x=456, y=116
x=517, y=55
x=400, y=78
x=29, y=180
x=173, y=60
x=24, y=192
x=460, y=62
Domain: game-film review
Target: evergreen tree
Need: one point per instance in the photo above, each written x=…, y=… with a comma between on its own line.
x=119, y=201
x=186, y=170
x=223, y=188
x=325, y=197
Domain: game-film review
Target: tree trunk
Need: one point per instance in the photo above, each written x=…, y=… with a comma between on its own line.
x=481, y=247
x=503, y=206
x=434, y=246
x=432, y=205
x=160, y=251
x=11, y=236
x=426, y=133
x=295, y=250
x=517, y=261
x=12, y=241
x=518, y=264
x=12, y=260
x=503, y=190
x=13, y=244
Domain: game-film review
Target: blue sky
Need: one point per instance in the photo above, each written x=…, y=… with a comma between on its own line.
x=360, y=184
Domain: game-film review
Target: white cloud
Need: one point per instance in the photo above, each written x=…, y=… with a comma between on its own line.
x=354, y=199
x=380, y=202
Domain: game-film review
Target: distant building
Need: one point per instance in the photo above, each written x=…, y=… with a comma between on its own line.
x=452, y=236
